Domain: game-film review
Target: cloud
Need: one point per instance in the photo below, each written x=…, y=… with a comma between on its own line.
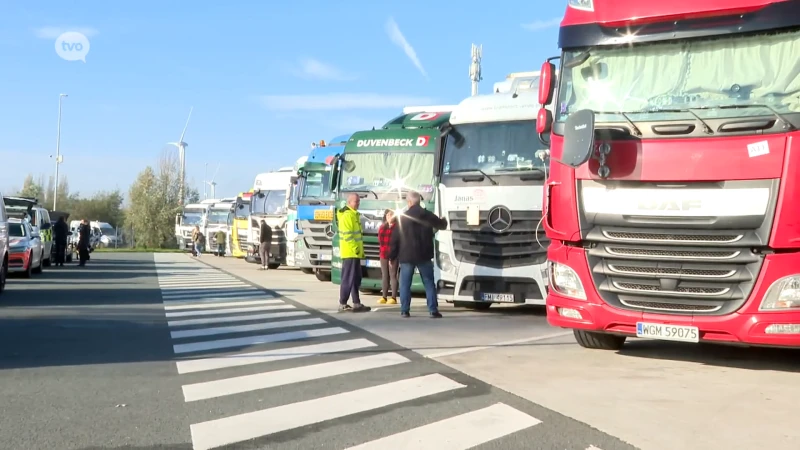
x=394, y=33
x=341, y=101
x=54, y=32
x=537, y=25
x=316, y=69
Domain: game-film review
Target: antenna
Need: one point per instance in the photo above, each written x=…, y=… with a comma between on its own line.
x=475, y=67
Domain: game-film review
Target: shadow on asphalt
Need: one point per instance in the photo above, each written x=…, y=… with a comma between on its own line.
x=748, y=358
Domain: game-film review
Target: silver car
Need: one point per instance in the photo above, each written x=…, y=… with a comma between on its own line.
x=25, y=248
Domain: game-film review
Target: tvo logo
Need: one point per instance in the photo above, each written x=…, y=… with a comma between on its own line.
x=72, y=46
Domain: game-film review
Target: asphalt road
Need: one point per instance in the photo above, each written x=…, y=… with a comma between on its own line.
x=128, y=353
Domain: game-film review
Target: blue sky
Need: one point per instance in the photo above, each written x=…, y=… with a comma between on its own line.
x=265, y=78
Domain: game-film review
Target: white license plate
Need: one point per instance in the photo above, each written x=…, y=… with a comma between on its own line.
x=666, y=332
x=501, y=298
x=371, y=263
x=325, y=257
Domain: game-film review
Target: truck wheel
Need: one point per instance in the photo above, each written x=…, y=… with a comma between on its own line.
x=599, y=341
x=307, y=271
x=273, y=266
x=323, y=276
x=473, y=305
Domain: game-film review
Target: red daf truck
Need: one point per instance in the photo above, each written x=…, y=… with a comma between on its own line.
x=673, y=198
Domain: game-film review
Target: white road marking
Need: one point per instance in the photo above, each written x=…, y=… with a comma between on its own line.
x=265, y=380
x=184, y=295
x=254, y=340
x=170, y=305
x=229, y=430
x=457, y=433
x=193, y=287
x=592, y=447
x=499, y=344
x=209, y=320
x=246, y=328
x=266, y=356
x=211, y=312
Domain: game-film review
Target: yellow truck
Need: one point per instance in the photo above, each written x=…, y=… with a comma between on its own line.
x=241, y=225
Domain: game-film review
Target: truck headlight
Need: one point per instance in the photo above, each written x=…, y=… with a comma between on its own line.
x=783, y=294
x=565, y=281
x=445, y=263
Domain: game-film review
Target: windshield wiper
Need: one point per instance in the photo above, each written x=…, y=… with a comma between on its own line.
x=706, y=128
x=518, y=169
x=636, y=131
x=473, y=170
x=786, y=123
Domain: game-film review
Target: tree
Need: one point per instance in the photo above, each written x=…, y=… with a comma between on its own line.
x=102, y=207
x=154, y=204
x=30, y=188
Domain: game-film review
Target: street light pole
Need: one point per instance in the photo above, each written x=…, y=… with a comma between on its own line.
x=58, y=152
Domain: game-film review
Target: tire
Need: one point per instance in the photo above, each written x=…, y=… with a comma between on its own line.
x=478, y=306
x=323, y=276
x=3, y=276
x=38, y=270
x=307, y=271
x=29, y=272
x=47, y=262
x=598, y=341
x=273, y=266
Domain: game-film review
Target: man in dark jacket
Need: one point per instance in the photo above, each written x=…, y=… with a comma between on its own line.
x=84, y=236
x=412, y=247
x=265, y=242
x=60, y=234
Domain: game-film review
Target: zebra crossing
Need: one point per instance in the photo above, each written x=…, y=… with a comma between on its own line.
x=259, y=371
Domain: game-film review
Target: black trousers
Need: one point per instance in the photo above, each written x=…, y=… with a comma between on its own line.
x=351, y=280
x=83, y=253
x=61, y=252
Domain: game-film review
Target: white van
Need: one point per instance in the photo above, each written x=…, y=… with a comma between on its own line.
x=3, y=244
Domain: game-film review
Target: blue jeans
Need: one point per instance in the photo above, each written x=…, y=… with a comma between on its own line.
x=407, y=275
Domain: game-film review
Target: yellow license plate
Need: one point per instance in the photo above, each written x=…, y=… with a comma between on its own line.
x=323, y=214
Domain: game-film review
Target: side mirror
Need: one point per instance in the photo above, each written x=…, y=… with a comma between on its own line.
x=333, y=181
x=547, y=83
x=349, y=166
x=578, y=138
x=438, y=155
x=241, y=206
x=544, y=121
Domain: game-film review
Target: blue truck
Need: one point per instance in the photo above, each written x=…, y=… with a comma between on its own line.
x=315, y=203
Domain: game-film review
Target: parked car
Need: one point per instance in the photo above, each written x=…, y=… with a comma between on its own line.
x=25, y=248
x=3, y=244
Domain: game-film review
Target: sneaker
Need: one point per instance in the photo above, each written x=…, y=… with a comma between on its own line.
x=382, y=301
x=345, y=308
x=405, y=315
x=392, y=301
x=436, y=315
x=358, y=307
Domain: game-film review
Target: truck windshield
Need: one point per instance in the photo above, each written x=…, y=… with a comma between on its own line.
x=639, y=80
x=241, y=213
x=192, y=217
x=218, y=217
x=388, y=175
x=493, y=148
x=316, y=185
x=268, y=202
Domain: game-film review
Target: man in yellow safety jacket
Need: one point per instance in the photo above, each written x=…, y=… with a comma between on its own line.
x=351, y=248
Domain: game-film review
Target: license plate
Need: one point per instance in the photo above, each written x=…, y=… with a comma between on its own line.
x=373, y=264
x=500, y=298
x=323, y=214
x=325, y=257
x=666, y=332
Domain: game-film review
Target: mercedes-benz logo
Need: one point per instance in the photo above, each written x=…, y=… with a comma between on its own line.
x=329, y=231
x=499, y=219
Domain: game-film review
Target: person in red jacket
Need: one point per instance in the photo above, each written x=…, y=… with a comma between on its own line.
x=389, y=268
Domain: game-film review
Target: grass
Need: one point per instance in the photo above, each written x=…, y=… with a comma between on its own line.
x=138, y=250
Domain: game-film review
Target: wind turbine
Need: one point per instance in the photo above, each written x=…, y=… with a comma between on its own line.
x=182, y=156
x=213, y=184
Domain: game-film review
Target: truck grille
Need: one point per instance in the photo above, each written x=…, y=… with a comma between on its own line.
x=517, y=246
x=676, y=272
x=372, y=250
x=314, y=234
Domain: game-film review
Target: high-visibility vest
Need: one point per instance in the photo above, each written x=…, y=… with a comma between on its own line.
x=351, y=239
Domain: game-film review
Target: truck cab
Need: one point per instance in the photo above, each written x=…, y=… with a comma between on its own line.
x=315, y=203
x=381, y=166
x=490, y=171
x=193, y=215
x=671, y=202
x=3, y=245
x=220, y=218
x=240, y=230
x=270, y=202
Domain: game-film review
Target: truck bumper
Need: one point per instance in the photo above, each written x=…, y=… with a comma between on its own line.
x=277, y=255
x=528, y=284
x=314, y=259
x=747, y=326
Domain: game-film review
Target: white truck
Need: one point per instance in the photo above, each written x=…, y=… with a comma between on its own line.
x=293, y=232
x=219, y=218
x=270, y=202
x=490, y=176
x=104, y=235
x=194, y=214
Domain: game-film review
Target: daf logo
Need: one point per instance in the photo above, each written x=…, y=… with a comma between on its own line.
x=670, y=205
x=329, y=231
x=499, y=219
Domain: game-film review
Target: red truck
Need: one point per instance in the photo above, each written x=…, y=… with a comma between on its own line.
x=673, y=198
